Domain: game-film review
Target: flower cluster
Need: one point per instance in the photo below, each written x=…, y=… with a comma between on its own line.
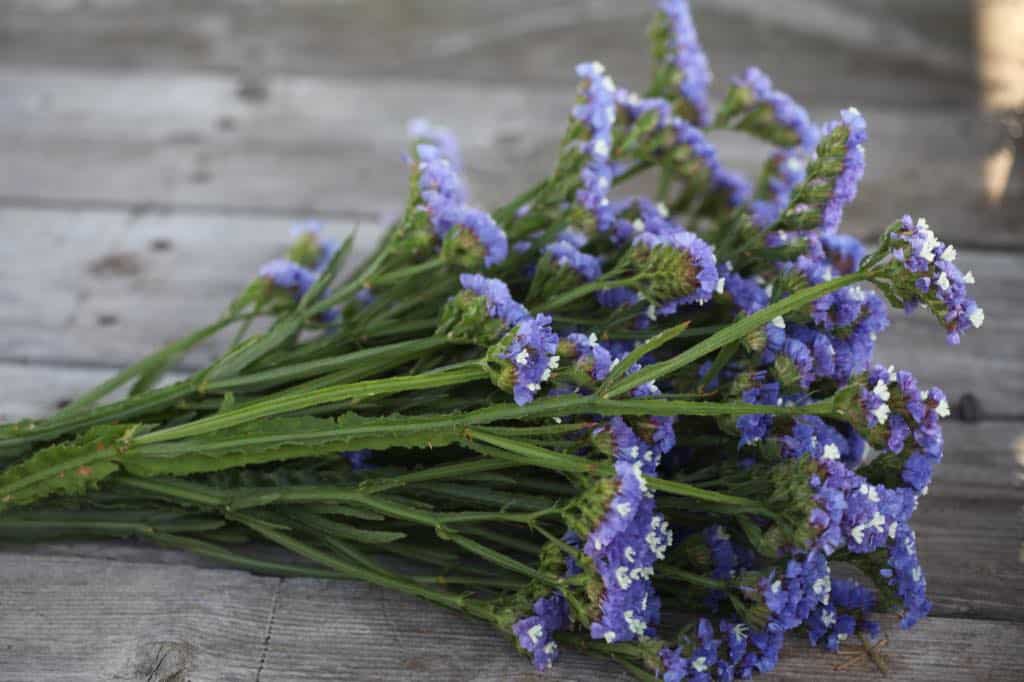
x=596, y=112
x=924, y=273
x=555, y=390
x=681, y=66
x=536, y=634
x=754, y=105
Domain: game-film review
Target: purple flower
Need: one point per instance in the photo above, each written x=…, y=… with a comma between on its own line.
x=677, y=268
x=764, y=111
x=589, y=356
x=500, y=304
x=535, y=633
x=923, y=273
x=783, y=172
x=596, y=111
x=754, y=427
x=288, y=275
x=678, y=47
x=565, y=254
x=422, y=131
x=310, y=248
x=852, y=130
x=844, y=251
x=905, y=577
x=470, y=236
x=359, y=459
x=530, y=350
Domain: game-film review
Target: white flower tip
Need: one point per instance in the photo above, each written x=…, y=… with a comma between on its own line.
x=779, y=322
x=977, y=317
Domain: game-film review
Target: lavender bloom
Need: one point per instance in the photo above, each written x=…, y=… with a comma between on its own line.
x=535, y=633
x=530, y=350
x=905, y=576
x=844, y=251
x=589, y=357
x=288, y=275
x=830, y=624
x=754, y=427
x=500, y=304
x=677, y=268
x=422, y=131
x=596, y=111
x=924, y=273
x=437, y=180
x=310, y=248
x=791, y=595
x=853, y=128
x=753, y=104
x=677, y=47
x=472, y=237
x=359, y=459
x=782, y=173
x=565, y=254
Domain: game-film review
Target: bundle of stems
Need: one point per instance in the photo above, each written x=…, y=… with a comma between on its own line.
x=571, y=417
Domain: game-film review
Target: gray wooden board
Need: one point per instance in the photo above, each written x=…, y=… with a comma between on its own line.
x=92, y=619
x=918, y=51
x=90, y=137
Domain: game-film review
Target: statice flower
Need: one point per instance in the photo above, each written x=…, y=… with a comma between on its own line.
x=923, y=272
x=590, y=360
x=680, y=61
x=310, y=247
x=288, y=275
x=830, y=624
x=754, y=427
x=596, y=111
x=782, y=173
x=535, y=634
x=790, y=595
x=471, y=237
x=500, y=304
x=526, y=357
x=422, y=131
x=359, y=459
x=833, y=176
x=754, y=105
x=630, y=608
x=904, y=575
x=674, y=268
x=481, y=312
x=843, y=251
x=565, y=254
x=437, y=179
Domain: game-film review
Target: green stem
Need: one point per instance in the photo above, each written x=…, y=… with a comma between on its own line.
x=403, y=585
x=278, y=405
x=735, y=332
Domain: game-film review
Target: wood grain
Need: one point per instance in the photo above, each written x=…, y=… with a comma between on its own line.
x=332, y=146
x=99, y=619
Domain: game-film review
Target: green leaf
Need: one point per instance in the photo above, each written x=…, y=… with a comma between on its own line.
x=70, y=468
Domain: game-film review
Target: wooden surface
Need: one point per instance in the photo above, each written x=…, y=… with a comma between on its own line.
x=155, y=154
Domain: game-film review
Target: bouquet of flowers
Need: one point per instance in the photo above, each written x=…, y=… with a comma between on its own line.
x=644, y=427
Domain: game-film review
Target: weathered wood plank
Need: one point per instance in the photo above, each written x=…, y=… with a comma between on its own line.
x=86, y=619
x=75, y=619
x=332, y=146
x=904, y=51
x=108, y=287
x=95, y=288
